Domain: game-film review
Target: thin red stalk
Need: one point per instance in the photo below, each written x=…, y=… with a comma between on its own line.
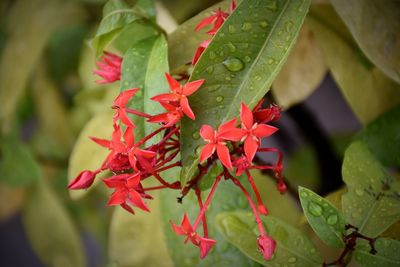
x=263, y=167
x=205, y=229
x=163, y=182
x=253, y=185
x=208, y=200
x=138, y=113
x=168, y=159
x=280, y=155
x=155, y=188
x=166, y=137
x=178, y=163
x=253, y=207
x=144, y=139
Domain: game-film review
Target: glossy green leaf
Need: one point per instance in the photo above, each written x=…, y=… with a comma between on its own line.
x=375, y=26
x=293, y=248
x=86, y=154
x=144, y=66
x=302, y=73
x=382, y=137
x=116, y=15
x=326, y=221
x=240, y=65
x=227, y=198
x=17, y=165
x=50, y=230
x=137, y=240
x=372, y=202
x=30, y=23
x=387, y=253
x=360, y=82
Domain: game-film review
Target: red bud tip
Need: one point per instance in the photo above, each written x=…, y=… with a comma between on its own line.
x=267, y=246
x=263, y=210
x=281, y=187
x=83, y=181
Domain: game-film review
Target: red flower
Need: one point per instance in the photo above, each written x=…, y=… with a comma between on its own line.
x=205, y=245
x=267, y=246
x=200, y=51
x=83, y=180
x=120, y=106
x=253, y=132
x=216, y=141
x=273, y=113
x=128, y=191
x=169, y=118
x=241, y=164
x=115, y=144
x=217, y=18
x=179, y=94
x=109, y=68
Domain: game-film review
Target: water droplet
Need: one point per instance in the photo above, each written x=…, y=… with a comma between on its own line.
x=315, y=209
x=219, y=99
x=221, y=106
x=139, y=93
x=227, y=78
x=231, y=47
x=292, y=260
x=233, y=64
x=210, y=69
x=258, y=78
x=280, y=32
x=303, y=194
x=221, y=53
x=313, y=250
x=213, y=88
x=212, y=55
x=288, y=37
x=359, y=192
x=247, y=58
x=231, y=29
x=264, y=24
x=196, y=135
x=332, y=219
x=246, y=26
x=271, y=61
x=288, y=26
x=272, y=6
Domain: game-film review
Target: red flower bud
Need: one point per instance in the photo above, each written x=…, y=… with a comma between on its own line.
x=267, y=246
x=281, y=187
x=83, y=181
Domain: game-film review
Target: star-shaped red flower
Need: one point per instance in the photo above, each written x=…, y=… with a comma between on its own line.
x=120, y=106
x=171, y=117
x=218, y=17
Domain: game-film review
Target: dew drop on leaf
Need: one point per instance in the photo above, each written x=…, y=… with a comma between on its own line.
x=263, y=24
x=210, y=69
x=212, y=55
x=231, y=47
x=247, y=58
x=231, y=29
x=272, y=6
x=246, y=26
x=219, y=99
x=314, y=208
x=292, y=260
x=288, y=26
x=233, y=64
x=196, y=135
x=332, y=219
x=359, y=192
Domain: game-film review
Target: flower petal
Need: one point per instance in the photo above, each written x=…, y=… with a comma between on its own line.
x=101, y=142
x=129, y=137
x=165, y=97
x=223, y=155
x=233, y=134
x=133, y=181
x=246, y=117
x=174, y=85
x=205, y=246
x=186, y=108
x=123, y=98
x=83, y=180
x=192, y=87
x=250, y=147
x=205, y=22
x=177, y=229
x=264, y=130
x=207, y=132
x=227, y=126
x=267, y=246
x=117, y=198
x=207, y=152
x=187, y=227
x=136, y=200
x=125, y=119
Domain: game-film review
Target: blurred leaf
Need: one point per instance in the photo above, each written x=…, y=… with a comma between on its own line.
x=382, y=137
x=116, y=15
x=144, y=66
x=51, y=111
x=393, y=231
x=182, y=43
x=137, y=240
x=11, y=200
x=132, y=34
x=327, y=222
x=302, y=73
x=239, y=71
x=292, y=246
x=372, y=202
x=360, y=84
x=30, y=24
x=227, y=198
x=50, y=230
x=388, y=253
x=86, y=154
x=17, y=166
x=375, y=26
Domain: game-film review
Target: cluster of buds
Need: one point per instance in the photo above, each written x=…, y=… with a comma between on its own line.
x=234, y=145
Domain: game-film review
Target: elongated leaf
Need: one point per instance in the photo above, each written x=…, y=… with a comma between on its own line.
x=86, y=154
x=17, y=165
x=292, y=247
x=30, y=24
x=137, y=240
x=359, y=81
x=382, y=137
x=375, y=26
x=371, y=203
x=303, y=71
x=50, y=230
x=144, y=66
x=327, y=222
x=240, y=65
x=387, y=253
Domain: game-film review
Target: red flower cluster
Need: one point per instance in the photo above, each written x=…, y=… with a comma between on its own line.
x=217, y=18
x=109, y=68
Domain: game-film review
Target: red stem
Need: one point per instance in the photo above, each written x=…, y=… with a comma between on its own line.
x=205, y=229
x=253, y=185
x=178, y=163
x=144, y=139
x=138, y=113
x=163, y=182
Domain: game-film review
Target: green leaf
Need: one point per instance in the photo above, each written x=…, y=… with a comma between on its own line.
x=388, y=253
x=86, y=154
x=227, y=198
x=372, y=202
x=302, y=73
x=144, y=66
x=29, y=26
x=326, y=221
x=360, y=83
x=375, y=26
x=293, y=248
x=17, y=166
x=50, y=230
x=240, y=65
x=116, y=15
x=382, y=137
x=137, y=240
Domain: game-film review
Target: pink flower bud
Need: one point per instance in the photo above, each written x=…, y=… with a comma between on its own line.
x=83, y=180
x=267, y=246
x=281, y=187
